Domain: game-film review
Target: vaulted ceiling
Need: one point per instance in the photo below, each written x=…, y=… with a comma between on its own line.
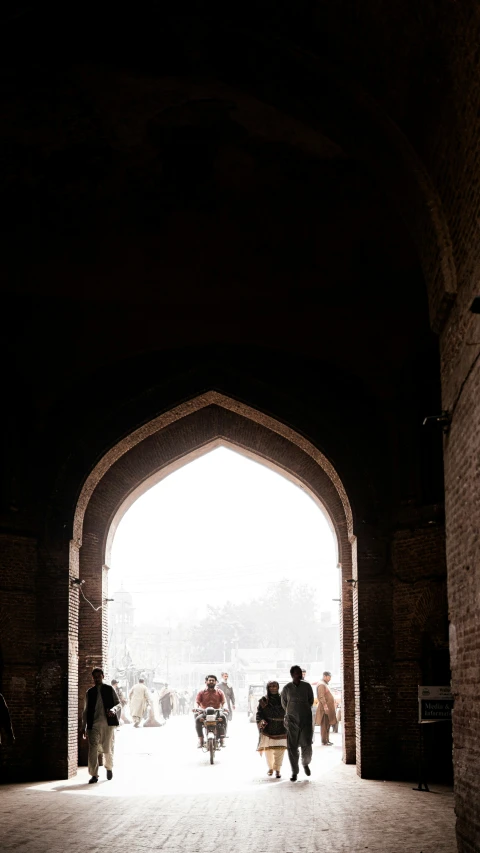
x=257, y=176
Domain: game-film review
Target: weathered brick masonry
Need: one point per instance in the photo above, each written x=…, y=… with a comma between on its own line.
x=461, y=390
x=18, y=648
x=421, y=636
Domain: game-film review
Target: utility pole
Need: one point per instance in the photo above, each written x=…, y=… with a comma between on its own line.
x=234, y=642
x=168, y=650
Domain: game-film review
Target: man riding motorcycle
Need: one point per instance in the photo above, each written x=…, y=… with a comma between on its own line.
x=211, y=697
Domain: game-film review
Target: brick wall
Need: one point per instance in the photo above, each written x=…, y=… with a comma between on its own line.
x=348, y=565
x=400, y=641
x=374, y=640
x=73, y=691
x=93, y=628
x=18, y=650
x=39, y=660
x=53, y=640
x=420, y=640
x=461, y=394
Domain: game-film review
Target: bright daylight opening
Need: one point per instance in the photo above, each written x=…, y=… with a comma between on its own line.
x=225, y=566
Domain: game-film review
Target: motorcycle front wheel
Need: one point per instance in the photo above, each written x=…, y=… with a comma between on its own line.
x=211, y=749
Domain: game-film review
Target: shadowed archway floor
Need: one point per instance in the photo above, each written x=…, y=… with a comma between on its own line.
x=166, y=797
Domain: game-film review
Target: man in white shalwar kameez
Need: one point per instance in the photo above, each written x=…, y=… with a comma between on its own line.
x=139, y=701
x=100, y=718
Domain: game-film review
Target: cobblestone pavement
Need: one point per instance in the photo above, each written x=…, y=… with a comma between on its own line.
x=165, y=796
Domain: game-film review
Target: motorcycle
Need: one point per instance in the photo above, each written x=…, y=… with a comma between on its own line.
x=213, y=732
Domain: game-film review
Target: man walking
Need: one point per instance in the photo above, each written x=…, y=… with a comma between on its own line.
x=326, y=715
x=100, y=717
x=227, y=691
x=297, y=701
x=139, y=701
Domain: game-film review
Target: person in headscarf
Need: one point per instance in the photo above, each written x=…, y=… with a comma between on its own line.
x=273, y=734
x=166, y=701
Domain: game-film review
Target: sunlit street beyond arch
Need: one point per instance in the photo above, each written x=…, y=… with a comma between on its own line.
x=225, y=565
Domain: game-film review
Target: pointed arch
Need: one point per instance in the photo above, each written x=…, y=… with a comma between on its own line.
x=210, y=398
x=156, y=449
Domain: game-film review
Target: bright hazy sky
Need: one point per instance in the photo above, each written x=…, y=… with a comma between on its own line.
x=222, y=527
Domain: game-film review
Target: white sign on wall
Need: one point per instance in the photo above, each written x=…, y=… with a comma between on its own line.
x=435, y=703
x=444, y=691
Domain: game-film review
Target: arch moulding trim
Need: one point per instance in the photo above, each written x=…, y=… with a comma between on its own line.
x=180, y=462
x=188, y=408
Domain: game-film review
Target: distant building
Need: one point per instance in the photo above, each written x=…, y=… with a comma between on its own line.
x=261, y=664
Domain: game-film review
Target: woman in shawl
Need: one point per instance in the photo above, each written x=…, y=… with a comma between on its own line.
x=273, y=734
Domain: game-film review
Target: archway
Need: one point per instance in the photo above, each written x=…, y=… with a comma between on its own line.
x=225, y=565
x=158, y=448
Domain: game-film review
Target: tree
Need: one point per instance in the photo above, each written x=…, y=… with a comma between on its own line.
x=282, y=618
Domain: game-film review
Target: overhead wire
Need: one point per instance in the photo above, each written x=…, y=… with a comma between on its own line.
x=96, y=609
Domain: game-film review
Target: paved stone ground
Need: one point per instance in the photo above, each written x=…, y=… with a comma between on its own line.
x=166, y=797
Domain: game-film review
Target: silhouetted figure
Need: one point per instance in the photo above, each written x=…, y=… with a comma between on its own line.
x=6, y=728
x=326, y=715
x=101, y=712
x=166, y=701
x=227, y=691
x=297, y=701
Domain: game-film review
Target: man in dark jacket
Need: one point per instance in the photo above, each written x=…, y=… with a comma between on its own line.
x=101, y=712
